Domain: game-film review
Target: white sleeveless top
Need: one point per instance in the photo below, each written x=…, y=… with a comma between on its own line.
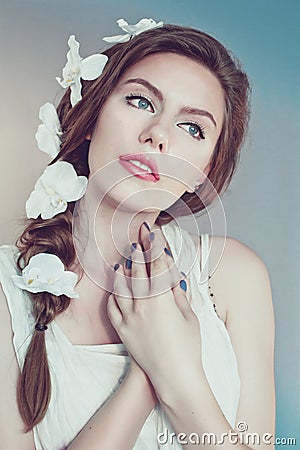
x=83, y=377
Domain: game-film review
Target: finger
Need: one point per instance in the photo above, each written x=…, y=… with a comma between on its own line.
x=188, y=286
x=153, y=248
x=113, y=312
x=181, y=298
x=145, y=238
x=145, y=235
x=122, y=293
x=126, y=265
x=140, y=282
x=164, y=272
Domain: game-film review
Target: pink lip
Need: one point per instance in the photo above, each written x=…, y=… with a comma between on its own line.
x=138, y=171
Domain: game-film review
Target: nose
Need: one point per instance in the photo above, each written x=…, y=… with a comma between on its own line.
x=155, y=135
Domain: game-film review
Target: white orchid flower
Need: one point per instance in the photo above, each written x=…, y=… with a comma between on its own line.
x=45, y=273
x=48, y=134
x=57, y=185
x=132, y=30
x=76, y=68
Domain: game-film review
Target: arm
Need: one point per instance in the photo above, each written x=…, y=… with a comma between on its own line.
x=241, y=282
x=11, y=424
x=116, y=425
x=146, y=316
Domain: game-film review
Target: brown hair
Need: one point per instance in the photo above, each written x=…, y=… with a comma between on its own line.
x=55, y=235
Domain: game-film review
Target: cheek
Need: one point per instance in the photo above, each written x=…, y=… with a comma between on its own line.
x=197, y=153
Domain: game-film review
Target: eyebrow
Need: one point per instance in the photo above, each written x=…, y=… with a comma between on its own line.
x=147, y=85
x=200, y=112
x=159, y=95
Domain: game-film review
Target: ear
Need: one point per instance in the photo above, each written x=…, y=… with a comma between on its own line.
x=200, y=180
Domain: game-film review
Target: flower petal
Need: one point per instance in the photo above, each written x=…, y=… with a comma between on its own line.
x=66, y=284
x=128, y=28
x=57, y=185
x=50, y=276
x=76, y=91
x=58, y=173
x=92, y=66
x=47, y=263
x=49, y=117
x=62, y=178
x=73, y=56
x=122, y=24
x=62, y=82
x=47, y=142
x=146, y=24
x=132, y=30
x=120, y=38
x=48, y=133
x=51, y=211
x=75, y=190
x=73, y=62
x=36, y=203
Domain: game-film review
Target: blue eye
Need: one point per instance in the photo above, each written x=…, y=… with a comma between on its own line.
x=194, y=130
x=139, y=102
x=143, y=103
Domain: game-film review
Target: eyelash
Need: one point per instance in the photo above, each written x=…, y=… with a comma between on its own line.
x=201, y=130
x=137, y=96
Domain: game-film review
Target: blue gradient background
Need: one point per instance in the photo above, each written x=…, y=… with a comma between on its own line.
x=262, y=204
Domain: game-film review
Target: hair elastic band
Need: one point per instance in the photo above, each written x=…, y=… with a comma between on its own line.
x=40, y=327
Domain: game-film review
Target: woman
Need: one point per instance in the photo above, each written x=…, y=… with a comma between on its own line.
x=180, y=344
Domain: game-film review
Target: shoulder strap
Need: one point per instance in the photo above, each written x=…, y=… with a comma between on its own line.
x=19, y=304
x=204, y=259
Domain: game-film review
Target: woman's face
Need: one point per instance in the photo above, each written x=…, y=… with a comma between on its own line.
x=168, y=109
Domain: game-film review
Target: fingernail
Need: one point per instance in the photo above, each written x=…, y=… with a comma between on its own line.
x=183, y=285
x=146, y=225
x=133, y=246
x=183, y=274
x=151, y=236
x=128, y=263
x=167, y=251
x=116, y=266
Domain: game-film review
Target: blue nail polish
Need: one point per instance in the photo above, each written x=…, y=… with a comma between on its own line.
x=146, y=225
x=151, y=236
x=116, y=266
x=167, y=251
x=128, y=263
x=133, y=246
x=183, y=285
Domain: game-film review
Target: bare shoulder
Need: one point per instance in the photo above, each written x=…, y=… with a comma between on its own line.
x=11, y=425
x=230, y=257
x=234, y=270
x=242, y=294
x=241, y=283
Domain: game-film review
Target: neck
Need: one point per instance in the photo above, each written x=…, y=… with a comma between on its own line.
x=103, y=237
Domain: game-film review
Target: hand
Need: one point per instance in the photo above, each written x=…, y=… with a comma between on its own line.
x=153, y=317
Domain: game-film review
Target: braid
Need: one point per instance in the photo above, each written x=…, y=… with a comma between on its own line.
x=34, y=385
x=55, y=235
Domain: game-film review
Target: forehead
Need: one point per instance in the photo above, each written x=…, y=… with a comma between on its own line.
x=181, y=79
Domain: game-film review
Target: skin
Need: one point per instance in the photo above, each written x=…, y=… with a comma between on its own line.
x=160, y=131
x=240, y=281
